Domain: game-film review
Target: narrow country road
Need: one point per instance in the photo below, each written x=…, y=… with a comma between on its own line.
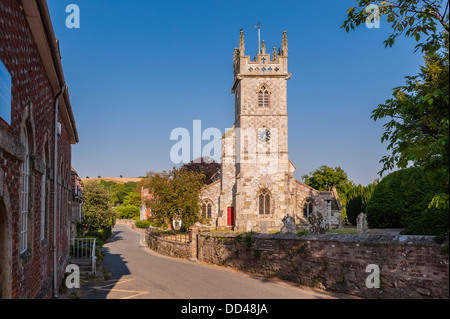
x=139, y=273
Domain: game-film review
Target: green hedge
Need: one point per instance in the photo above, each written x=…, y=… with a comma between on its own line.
x=401, y=202
x=128, y=212
x=143, y=224
x=102, y=235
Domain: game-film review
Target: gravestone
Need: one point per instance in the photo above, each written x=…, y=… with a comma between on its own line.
x=249, y=226
x=361, y=223
x=264, y=227
x=317, y=223
x=289, y=225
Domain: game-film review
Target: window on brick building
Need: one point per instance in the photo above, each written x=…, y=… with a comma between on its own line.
x=24, y=192
x=44, y=195
x=5, y=94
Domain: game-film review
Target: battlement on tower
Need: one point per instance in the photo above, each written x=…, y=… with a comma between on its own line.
x=263, y=64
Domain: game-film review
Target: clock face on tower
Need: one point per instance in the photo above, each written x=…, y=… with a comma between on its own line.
x=264, y=135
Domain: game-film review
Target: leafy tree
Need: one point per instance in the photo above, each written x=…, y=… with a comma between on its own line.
x=357, y=199
x=418, y=113
x=176, y=194
x=326, y=177
x=128, y=212
x=96, y=207
x=418, y=130
x=411, y=18
x=132, y=199
x=206, y=166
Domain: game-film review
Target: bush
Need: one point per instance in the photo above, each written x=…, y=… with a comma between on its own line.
x=395, y=204
x=357, y=199
x=128, y=212
x=101, y=235
x=143, y=224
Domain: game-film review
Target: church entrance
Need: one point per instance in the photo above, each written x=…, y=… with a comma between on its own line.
x=230, y=217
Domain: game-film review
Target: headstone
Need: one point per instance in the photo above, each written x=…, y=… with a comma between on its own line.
x=264, y=227
x=317, y=223
x=289, y=225
x=361, y=223
x=249, y=226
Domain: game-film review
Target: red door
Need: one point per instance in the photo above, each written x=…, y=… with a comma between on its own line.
x=230, y=216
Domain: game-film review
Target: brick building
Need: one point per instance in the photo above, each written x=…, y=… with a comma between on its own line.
x=35, y=172
x=76, y=202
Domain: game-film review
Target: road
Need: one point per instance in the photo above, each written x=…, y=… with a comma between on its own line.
x=139, y=273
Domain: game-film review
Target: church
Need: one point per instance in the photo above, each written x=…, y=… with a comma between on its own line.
x=255, y=188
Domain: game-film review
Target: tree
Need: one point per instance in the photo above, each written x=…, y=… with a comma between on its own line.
x=357, y=199
x=206, y=166
x=96, y=207
x=411, y=18
x=176, y=194
x=418, y=130
x=325, y=176
x=418, y=113
x=401, y=202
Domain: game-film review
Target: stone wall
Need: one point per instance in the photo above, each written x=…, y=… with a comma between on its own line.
x=167, y=247
x=410, y=266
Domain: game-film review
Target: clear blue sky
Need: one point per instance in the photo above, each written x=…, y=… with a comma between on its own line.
x=138, y=69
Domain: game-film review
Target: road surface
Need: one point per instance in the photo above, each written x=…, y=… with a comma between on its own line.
x=139, y=273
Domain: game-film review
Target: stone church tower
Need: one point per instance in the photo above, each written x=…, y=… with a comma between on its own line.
x=256, y=189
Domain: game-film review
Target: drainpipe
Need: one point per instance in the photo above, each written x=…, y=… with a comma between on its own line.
x=55, y=194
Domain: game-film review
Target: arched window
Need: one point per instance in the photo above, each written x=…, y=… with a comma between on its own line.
x=207, y=209
x=263, y=96
x=24, y=192
x=264, y=202
x=308, y=208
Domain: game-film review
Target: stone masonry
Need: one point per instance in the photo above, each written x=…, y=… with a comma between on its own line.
x=256, y=170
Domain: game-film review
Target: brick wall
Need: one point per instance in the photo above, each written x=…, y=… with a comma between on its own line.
x=410, y=266
x=32, y=105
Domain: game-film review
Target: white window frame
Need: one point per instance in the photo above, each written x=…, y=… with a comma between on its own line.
x=43, y=200
x=24, y=193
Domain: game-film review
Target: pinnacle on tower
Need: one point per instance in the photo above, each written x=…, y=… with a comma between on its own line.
x=242, y=43
x=284, y=47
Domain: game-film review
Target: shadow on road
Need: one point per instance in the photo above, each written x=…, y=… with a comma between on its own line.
x=115, y=264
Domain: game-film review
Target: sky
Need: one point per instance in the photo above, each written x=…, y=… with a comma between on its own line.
x=138, y=69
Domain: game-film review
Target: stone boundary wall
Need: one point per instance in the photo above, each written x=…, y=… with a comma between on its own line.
x=168, y=247
x=410, y=266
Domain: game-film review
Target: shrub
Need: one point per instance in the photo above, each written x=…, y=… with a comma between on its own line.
x=101, y=235
x=128, y=212
x=396, y=204
x=142, y=224
x=357, y=199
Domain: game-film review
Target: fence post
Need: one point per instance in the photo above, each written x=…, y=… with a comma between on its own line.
x=194, y=231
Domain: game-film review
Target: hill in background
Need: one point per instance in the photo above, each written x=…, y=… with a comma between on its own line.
x=118, y=180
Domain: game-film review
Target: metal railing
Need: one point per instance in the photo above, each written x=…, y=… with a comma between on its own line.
x=177, y=236
x=84, y=248
x=94, y=259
